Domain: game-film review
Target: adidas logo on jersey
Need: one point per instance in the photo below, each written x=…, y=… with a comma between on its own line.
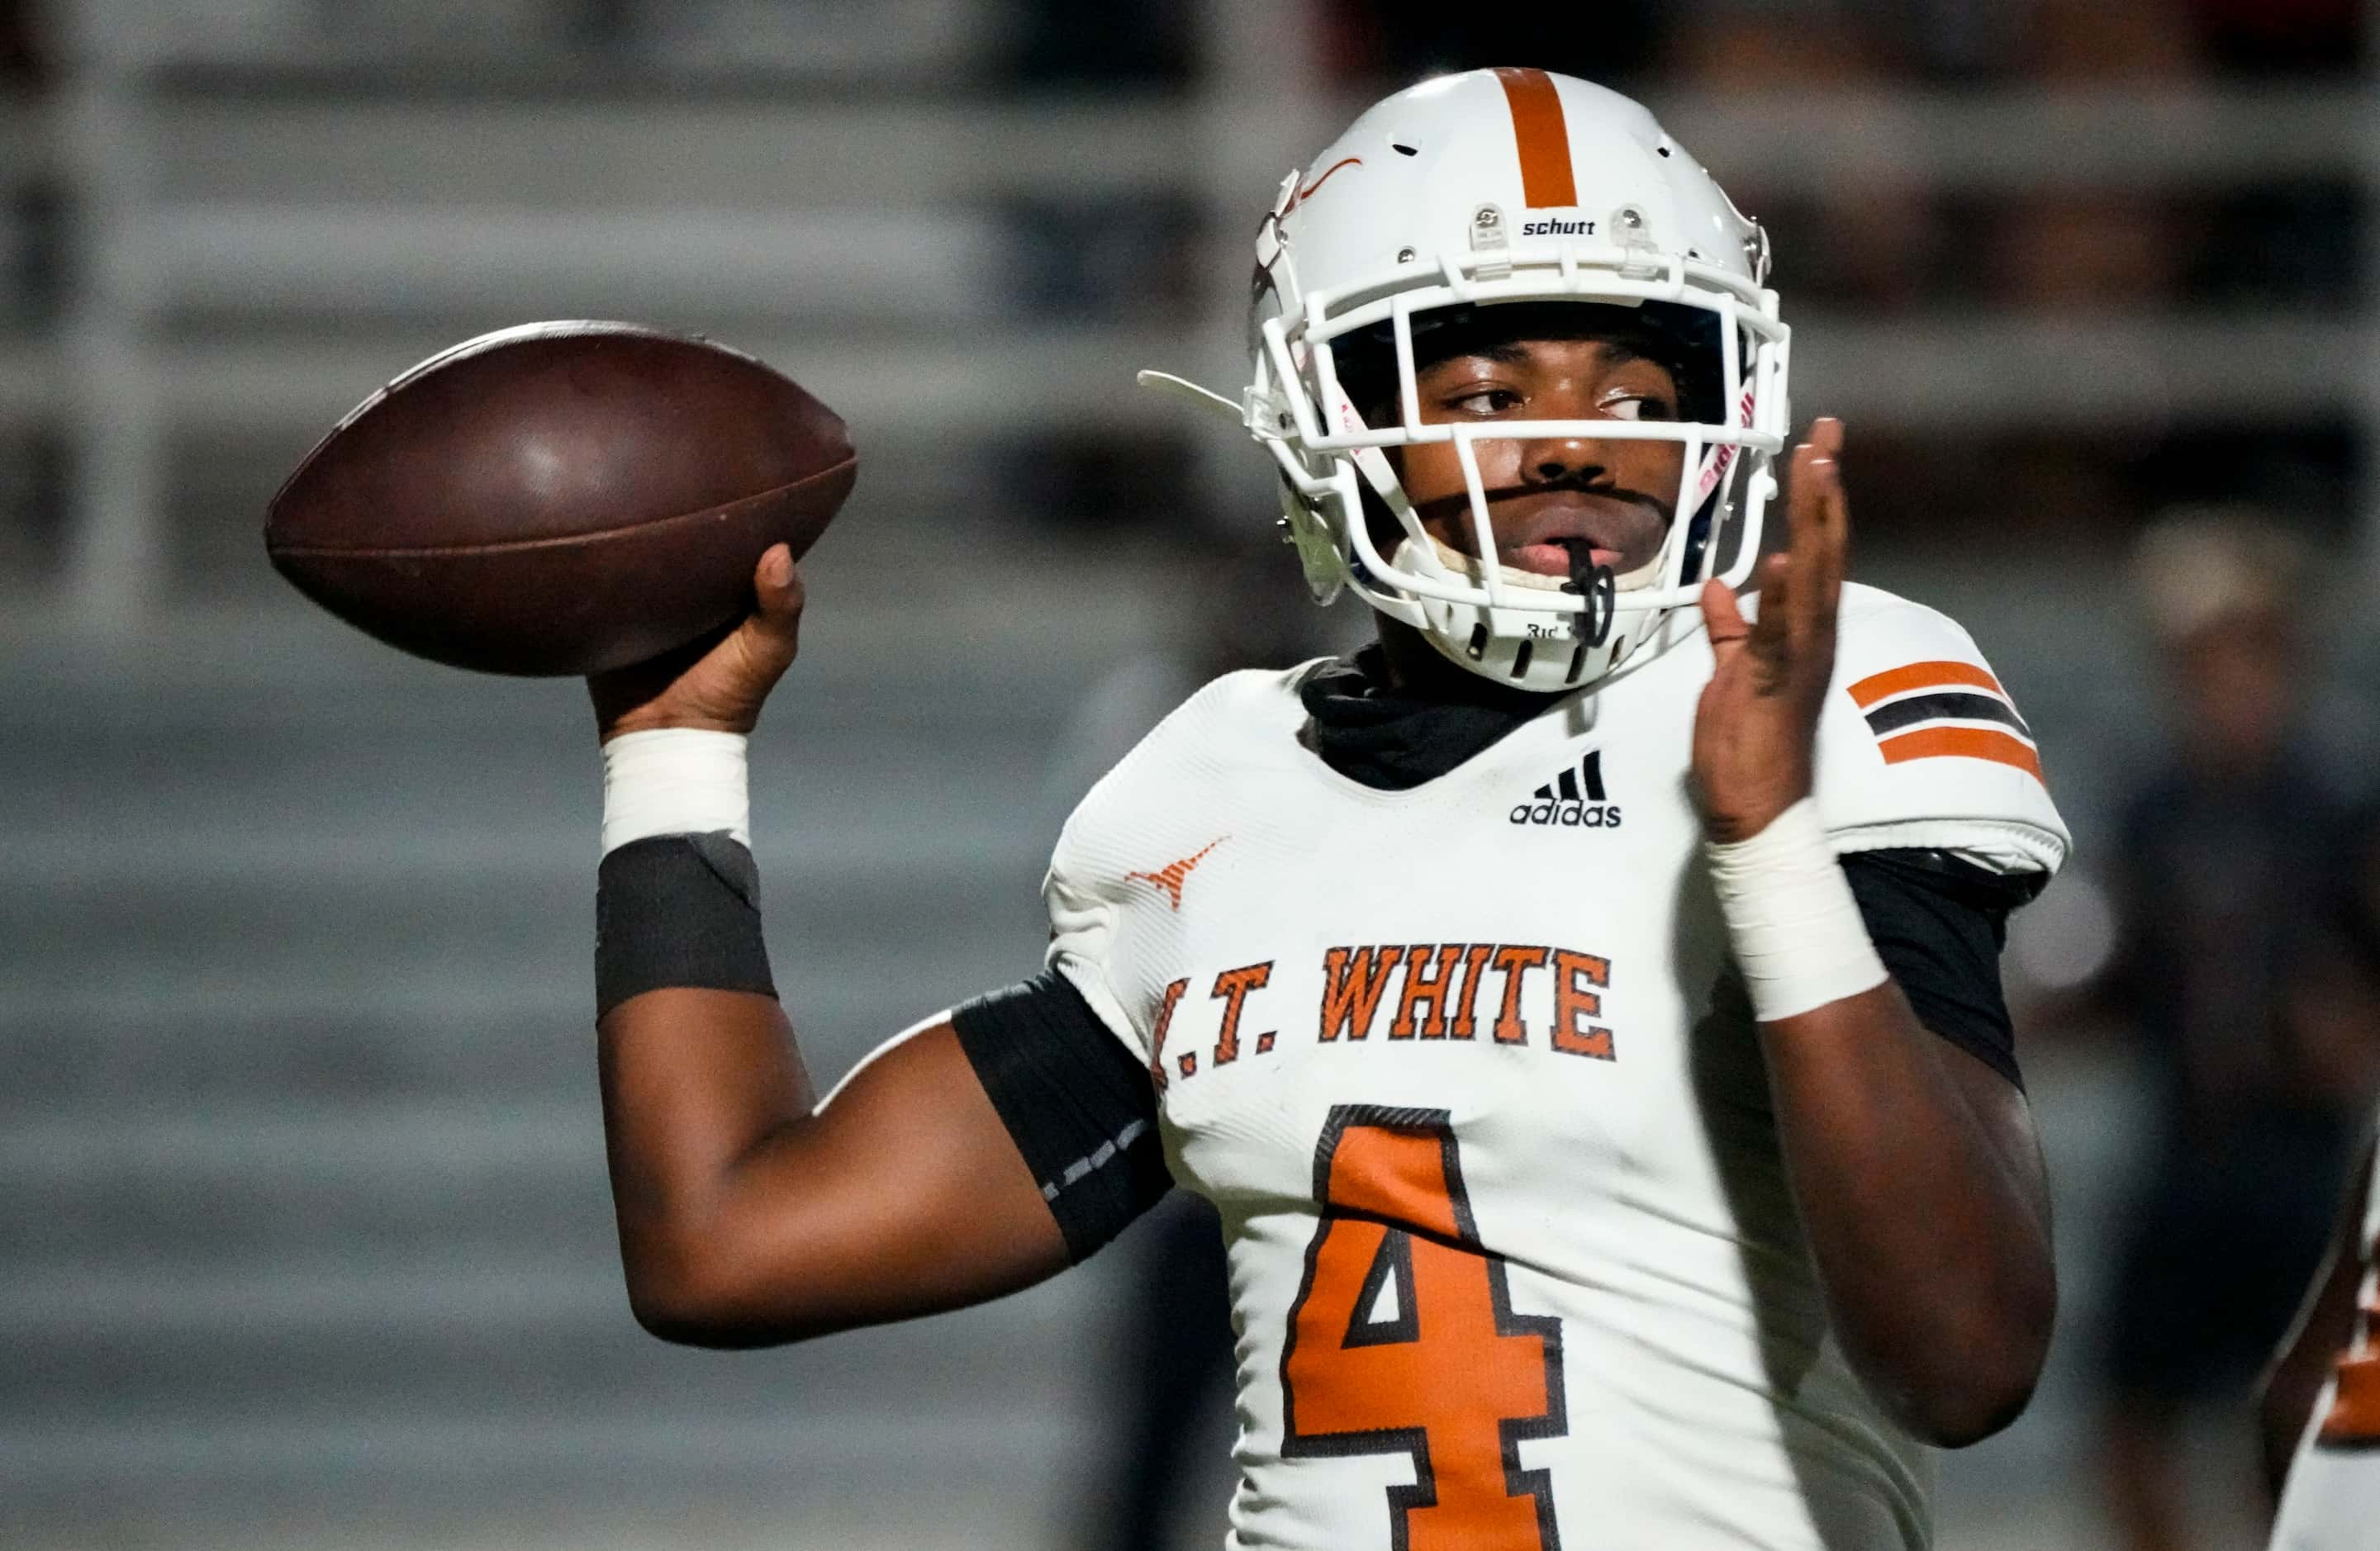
x=1573, y=800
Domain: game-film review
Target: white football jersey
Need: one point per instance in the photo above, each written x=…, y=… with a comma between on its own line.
x=1513, y=1260
x=2333, y=1499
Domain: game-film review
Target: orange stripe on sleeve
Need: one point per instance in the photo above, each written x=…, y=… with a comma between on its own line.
x=1920, y=676
x=1543, y=135
x=1970, y=743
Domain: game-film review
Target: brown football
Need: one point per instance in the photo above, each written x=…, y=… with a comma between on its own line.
x=559, y=498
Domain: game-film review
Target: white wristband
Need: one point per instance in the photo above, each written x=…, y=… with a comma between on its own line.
x=1796, y=929
x=674, y=780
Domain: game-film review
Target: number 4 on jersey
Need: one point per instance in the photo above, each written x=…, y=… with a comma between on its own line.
x=1403, y=1341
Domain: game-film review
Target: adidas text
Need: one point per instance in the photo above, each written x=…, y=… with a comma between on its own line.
x=1575, y=816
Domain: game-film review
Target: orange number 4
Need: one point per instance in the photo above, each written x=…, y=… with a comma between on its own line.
x=1403, y=1341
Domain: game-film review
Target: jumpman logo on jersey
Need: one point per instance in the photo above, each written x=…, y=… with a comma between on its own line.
x=1170, y=877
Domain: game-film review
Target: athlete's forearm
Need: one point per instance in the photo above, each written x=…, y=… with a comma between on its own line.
x=699, y=1070
x=1920, y=1189
x=751, y=1212
x=696, y=1084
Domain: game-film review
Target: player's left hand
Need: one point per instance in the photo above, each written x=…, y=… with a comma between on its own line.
x=1756, y=728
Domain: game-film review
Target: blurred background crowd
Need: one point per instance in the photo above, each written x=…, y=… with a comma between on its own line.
x=302, y=1208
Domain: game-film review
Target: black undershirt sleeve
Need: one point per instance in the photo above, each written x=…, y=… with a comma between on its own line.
x=1080, y=1108
x=1938, y=924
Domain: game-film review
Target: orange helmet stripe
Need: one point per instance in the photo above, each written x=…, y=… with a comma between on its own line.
x=1543, y=135
x=1308, y=192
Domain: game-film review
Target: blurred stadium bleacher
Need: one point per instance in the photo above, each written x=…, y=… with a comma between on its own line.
x=301, y=1193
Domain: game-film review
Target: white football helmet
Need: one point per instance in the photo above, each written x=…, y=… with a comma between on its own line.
x=1498, y=187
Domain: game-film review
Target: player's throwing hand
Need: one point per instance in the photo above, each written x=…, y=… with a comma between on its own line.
x=1756, y=723
x=717, y=684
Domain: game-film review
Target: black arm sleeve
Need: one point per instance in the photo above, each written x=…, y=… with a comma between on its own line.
x=1081, y=1110
x=1938, y=923
x=678, y=910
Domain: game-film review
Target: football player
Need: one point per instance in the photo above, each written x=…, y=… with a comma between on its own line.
x=2322, y=1401
x=1582, y=1005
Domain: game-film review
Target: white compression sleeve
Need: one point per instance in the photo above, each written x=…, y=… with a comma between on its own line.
x=674, y=780
x=1796, y=929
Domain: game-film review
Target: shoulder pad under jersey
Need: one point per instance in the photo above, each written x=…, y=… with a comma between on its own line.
x=1157, y=802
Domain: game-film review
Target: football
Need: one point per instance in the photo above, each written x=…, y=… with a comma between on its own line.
x=559, y=498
